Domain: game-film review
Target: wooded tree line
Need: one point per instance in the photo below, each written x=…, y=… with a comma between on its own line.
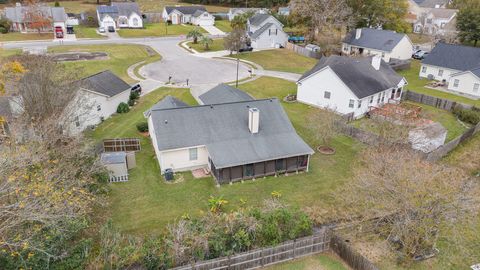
x=240, y=3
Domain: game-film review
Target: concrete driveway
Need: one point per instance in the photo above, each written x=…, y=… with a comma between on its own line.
x=182, y=65
x=212, y=30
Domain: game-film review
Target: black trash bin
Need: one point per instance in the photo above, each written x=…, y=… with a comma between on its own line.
x=168, y=174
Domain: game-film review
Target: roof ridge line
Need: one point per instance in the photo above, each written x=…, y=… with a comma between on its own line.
x=210, y=105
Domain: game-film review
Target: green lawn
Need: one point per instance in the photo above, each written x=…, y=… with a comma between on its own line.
x=217, y=45
x=78, y=6
x=158, y=30
x=280, y=60
x=120, y=58
x=16, y=36
x=419, y=38
x=82, y=31
x=7, y=53
x=317, y=262
x=223, y=25
x=416, y=84
x=146, y=203
x=158, y=5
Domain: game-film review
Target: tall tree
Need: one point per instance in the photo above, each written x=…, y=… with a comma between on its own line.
x=468, y=24
x=36, y=17
x=386, y=14
x=195, y=34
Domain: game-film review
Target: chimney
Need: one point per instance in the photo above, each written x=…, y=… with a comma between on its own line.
x=376, y=61
x=253, y=120
x=358, y=33
x=18, y=4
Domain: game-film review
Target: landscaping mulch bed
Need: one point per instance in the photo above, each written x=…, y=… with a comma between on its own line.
x=326, y=150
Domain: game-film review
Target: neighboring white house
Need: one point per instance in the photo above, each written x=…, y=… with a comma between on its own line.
x=97, y=99
x=233, y=12
x=265, y=31
x=418, y=7
x=388, y=44
x=21, y=20
x=457, y=65
x=234, y=140
x=196, y=15
x=120, y=15
x=284, y=11
x=437, y=21
x=350, y=85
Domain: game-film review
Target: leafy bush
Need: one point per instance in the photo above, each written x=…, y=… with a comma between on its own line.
x=142, y=127
x=57, y=4
x=5, y=25
x=468, y=116
x=134, y=96
x=123, y=108
x=131, y=102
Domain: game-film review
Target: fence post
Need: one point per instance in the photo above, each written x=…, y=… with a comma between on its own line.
x=262, y=263
x=294, y=242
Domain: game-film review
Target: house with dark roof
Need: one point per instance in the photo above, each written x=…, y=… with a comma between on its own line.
x=197, y=15
x=97, y=99
x=234, y=12
x=234, y=140
x=350, y=85
x=385, y=43
x=223, y=93
x=457, y=65
x=120, y=15
x=437, y=21
x=265, y=31
x=22, y=16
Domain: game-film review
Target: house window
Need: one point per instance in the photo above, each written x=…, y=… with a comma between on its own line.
x=456, y=82
x=248, y=170
x=77, y=121
x=193, y=152
x=99, y=107
x=326, y=95
x=371, y=99
x=440, y=72
x=383, y=54
x=359, y=104
x=424, y=69
x=378, y=98
x=383, y=97
x=393, y=94
x=135, y=22
x=351, y=103
x=476, y=86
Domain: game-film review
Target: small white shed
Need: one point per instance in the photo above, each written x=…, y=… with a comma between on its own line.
x=312, y=47
x=116, y=164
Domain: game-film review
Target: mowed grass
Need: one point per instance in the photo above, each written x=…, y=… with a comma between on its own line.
x=10, y=52
x=280, y=60
x=78, y=6
x=82, y=31
x=216, y=45
x=120, y=58
x=317, y=262
x=16, y=36
x=416, y=84
x=158, y=30
x=158, y=5
x=223, y=25
x=146, y=203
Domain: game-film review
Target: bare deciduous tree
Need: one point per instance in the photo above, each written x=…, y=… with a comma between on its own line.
x=235, y=41
x=324, y=124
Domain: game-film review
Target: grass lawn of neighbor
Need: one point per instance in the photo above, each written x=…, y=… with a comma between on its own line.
x=416, y=84
x=10, y=52
x=147, y=203
x=280, y=60
x=77, y=6
x=16, y=36
x=216, y=45
x=223, y=25
x=158, y=30
x=325, y=261
x=120, y=58
x=419, y=38
x=157, y=6
x=82, y=31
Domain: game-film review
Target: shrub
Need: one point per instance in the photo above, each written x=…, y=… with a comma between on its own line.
x=123, y=108
x=134, y=96
x=142, y=127
x=3, y=30
x=57, y=4
x=468, y=116
x=131, y=102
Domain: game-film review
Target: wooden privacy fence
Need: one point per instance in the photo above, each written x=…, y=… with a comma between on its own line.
x=153, y=17
x=440, y=103
x=317, y=243
x=350, y=256
x=303, y=51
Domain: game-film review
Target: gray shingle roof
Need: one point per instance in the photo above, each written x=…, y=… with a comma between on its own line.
x=113, y=158
x=168, y=102
x=457, y=57
x=223, y=129
x=260, y=31
x=476, y=71
x=258, y=19
x=383, y=40
x=358, y=74
x=198, y=13
x=112, y=11
x=105, y=83
x=126, y=8
x=17, y=13
x=223, y=93
x=187, y=10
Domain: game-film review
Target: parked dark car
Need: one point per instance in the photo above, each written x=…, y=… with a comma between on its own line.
x=137, y=88
x=70, y=30
x=111, y=29
x=420, y=55
x=246, y=49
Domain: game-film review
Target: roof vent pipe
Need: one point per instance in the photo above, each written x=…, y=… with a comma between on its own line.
x=253, y=120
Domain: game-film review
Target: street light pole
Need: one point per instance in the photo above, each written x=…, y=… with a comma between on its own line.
x=238, y=65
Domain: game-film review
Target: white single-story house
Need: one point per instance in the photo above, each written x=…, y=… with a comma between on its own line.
x=265, y=31
x=437, y=21
x=98, y=98
x=457, y=65
x=120, y=15
x=21, y=21
x=234, y=141
x=197, y=15
x=350, y=85
x=233, y=12
x=386, y=43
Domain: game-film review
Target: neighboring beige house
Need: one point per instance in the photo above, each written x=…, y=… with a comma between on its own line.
x=437, y=21
x=197, y=15
x=21, y=21
x=120, y=15
x=233, y=12
x=457, y=65
x=385, y=43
